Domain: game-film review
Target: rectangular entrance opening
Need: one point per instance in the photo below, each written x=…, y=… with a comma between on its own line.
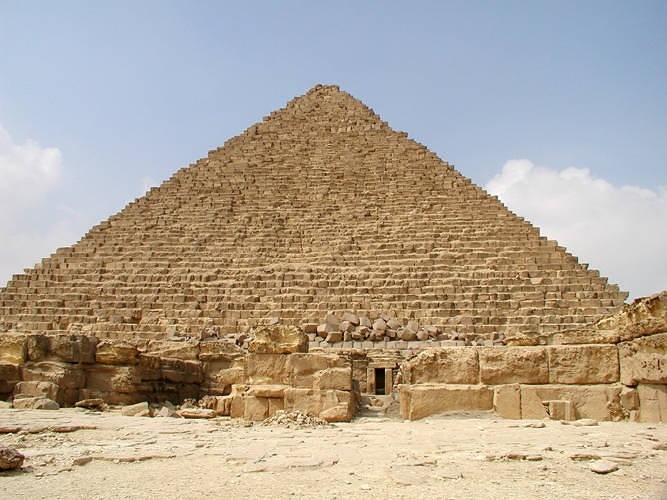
x=380, y=381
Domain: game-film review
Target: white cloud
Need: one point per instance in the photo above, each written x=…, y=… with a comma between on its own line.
x=619, y=230
x=146, y=184
x=29, y=230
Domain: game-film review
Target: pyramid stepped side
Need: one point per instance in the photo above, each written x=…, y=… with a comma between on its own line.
x=320, y=207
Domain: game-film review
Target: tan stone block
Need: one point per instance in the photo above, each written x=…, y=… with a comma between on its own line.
x=181, y=371
x=109, y=378
x=644, y=360
x=9, y=371
x=448, y=365
x=560, y=409
x=334, y=378
x=276, y=404
x=419, y=401
x=267, y=391
x=219, y=350
x=509, y=365
x=65, y=375
x=652, y=402
x=278, y=339
x=72, y=348
x=304, y=367
x=179, y=349
x=583, y=364
x=13, y=348
x=588, y=401
x=337, y=406
x=116, y=352
x=304, y=400
x=267, y=369
x=255, y=408
x=507, y=401
x=37, y=389
x=629, y=398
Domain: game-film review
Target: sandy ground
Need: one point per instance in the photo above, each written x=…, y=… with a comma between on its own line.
x=74, y=453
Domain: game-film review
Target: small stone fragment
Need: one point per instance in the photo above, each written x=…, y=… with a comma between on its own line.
x=10, y=459
x=91, y=404
x=584, y=422
x=137, y=410
x=603, y=467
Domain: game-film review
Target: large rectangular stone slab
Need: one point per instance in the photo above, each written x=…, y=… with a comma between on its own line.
x=447, y=365
x=510, y=365
x=652, y=402
x=266, y=369
x=507, y=401
x=419, y=401
x=644, y=360
x=583, y=364
x=589, y=401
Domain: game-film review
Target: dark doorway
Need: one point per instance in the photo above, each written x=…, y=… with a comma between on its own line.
x=379, y=381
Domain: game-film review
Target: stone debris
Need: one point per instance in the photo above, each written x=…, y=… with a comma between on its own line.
x=196, y=413
x=136, y=410
x=92, y=404
x=294, y=420
x=10, y=459
x=35, y=403
x=603, y=466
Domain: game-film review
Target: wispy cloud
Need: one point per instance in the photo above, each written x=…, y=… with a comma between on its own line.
x=28, y=173
x=620, y=230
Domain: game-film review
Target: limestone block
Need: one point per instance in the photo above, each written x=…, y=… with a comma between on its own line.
x=109, y=378
x=652, y=402
x=218, y=350
x=583, y=364
x=13, y=348
x=588, y=401
x=149, y=367
x=644, y=360
x=38, y=403
x=221, y=374
x=278, y=339
x=350, y=318
x=237, y=404
x=585, y=336
x=72, y=348
x=136, y=410
x=255, y=408
x=179, y=349
x=509, y=365
x=419, y=401
x=112, y=397
x=9, y=371
x=116, y=352
x=560, y=409
x=37, y=389
x=181, y=371
x=507, y=401
x=303, y=367
x=276, y=404
x=267, y=369
x=267, y=391
x=448, y=365
x=65, y=375
x=645, y=316
x=334, y=378
x=332, y=405
x=629, y=398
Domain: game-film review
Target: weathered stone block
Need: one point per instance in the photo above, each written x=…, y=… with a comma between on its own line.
x=583, y=364
x=507, y=401
x=652, y=402
x=334, y=378
x=66, y=375
x=37, y=389
x=179, y=349
x=644, y=360
x=181, y=371
x=278, y=339
x=332, y=405
x=419, y=401
x=303, y=367
x=13, y=348
x=266, y=369
x=509, y=365
x=448, y=365
x=9, y=371
x=267, y=391
x=219, y=350
x=116, y=352
x=255, y=408
x=560, y=409
x=589, y=401
x=109, y=378
x=38, y=403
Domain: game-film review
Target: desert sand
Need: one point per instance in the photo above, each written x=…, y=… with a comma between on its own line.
x=76, y=453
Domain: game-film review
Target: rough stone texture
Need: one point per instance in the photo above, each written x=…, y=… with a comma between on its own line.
x=419, y=401
x=507, y=401
x=113, y=352
x=652, y=402
x=509, y=365
x=278, y=339
x=587, y=364
x=442, y=366
x=263, y=369
x=644, y=360
x=589, y=401
x=36, y=403
x=645, y=316
x=10, y=459
x=12, y=348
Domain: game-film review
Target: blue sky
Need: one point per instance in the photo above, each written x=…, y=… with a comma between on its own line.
x=99, y=99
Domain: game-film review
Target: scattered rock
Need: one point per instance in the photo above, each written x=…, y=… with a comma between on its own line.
x=660, y=446
x=583, y=422
x=136, y=410
x=536, y=425
x=196, y=413
x=9, y=429
x=82, y=460
x=36, y=403
x=10, y=459
x=294, y=419
x=92, y=404
x=603, y=467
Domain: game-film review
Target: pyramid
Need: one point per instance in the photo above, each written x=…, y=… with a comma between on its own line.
x=320, y=208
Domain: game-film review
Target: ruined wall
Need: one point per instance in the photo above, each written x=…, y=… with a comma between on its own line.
x=615, y=369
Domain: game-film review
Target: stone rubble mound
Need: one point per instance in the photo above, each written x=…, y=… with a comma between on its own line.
x=294, y=419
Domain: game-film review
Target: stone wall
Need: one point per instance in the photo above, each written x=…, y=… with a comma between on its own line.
x=613, y=370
